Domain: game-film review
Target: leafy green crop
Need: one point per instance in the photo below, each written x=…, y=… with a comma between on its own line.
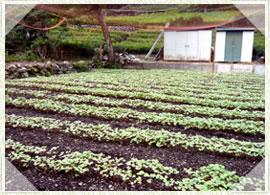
x=160, y=138
x=149, y=105
x=133, y=171
x=237, y=125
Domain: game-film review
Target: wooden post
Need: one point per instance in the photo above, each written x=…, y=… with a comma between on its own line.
x=156, y=42
x=160, y=52
x=210, y=55
x=214, y=54
x=100, y=52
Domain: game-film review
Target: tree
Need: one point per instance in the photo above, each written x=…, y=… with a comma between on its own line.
x=100, y=16
x=76, y=12
x=20, y=37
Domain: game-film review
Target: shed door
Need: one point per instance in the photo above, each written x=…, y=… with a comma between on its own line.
x=192, y=45
x=186, y=45
x=233, y=46
x=180, y=42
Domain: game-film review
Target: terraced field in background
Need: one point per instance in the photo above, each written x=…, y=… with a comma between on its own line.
x=136, y=130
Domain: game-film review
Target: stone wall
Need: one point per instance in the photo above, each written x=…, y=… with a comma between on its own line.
x=28, y=69
x=15, y=70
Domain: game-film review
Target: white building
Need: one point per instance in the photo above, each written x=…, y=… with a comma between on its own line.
x=193, y=44
x=187, y=45
x=234, y=44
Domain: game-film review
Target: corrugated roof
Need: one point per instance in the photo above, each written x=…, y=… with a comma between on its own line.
x=184, y=28
x=238, y=22
x=235, y=29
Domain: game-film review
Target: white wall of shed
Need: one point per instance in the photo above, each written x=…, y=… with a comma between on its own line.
x=220, y=46
x=169, y=45
x=247, y=46
x=205, y=40
x=187, y=45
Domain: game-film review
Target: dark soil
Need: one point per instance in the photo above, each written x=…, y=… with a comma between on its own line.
x=48, y=180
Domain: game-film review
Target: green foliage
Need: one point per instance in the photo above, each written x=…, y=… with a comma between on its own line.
x=24, y=57
x=41, y=47
x=20, y=38
x=149, y=105
x=238, y=125
x=259, y=44
x=213, y=177
x=56, y=49
x=132, y=42
x=81, y=67
x=171, y=14
x=48, y=73
x=112, y=65
x=148, y=94
x=159, y=138
x=16, y=40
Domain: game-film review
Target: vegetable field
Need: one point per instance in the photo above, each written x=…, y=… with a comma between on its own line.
x=137, y=130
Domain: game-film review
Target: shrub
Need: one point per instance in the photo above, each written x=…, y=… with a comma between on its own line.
x=112, y=65
x=81, y=67
x=24, y=57
x=48, y=73
x=259, y=45
x=64, y=49
x=41, y=47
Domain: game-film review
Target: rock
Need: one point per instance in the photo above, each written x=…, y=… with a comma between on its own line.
x=125, y=58
x=131, y=56
x=55, y=67
x=25, y=75
x=105, y=58
x=81, y=183
x=11, y=67
x=261, y=60
x=91, y=64
x=40, y=66
x=121, y=61
x=22, y=70
x=124, y=54
x=80, y=62
x=136, y=60
x=15, y=75
x=32, y=70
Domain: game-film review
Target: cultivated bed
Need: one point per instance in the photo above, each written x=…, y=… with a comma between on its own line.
x=136, y=130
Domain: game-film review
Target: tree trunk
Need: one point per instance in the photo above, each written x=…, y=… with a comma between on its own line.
x=105, y=33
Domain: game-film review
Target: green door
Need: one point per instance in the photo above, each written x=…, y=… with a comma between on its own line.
x=233, y=46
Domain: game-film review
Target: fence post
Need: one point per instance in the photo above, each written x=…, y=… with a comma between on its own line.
x=214, y=54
